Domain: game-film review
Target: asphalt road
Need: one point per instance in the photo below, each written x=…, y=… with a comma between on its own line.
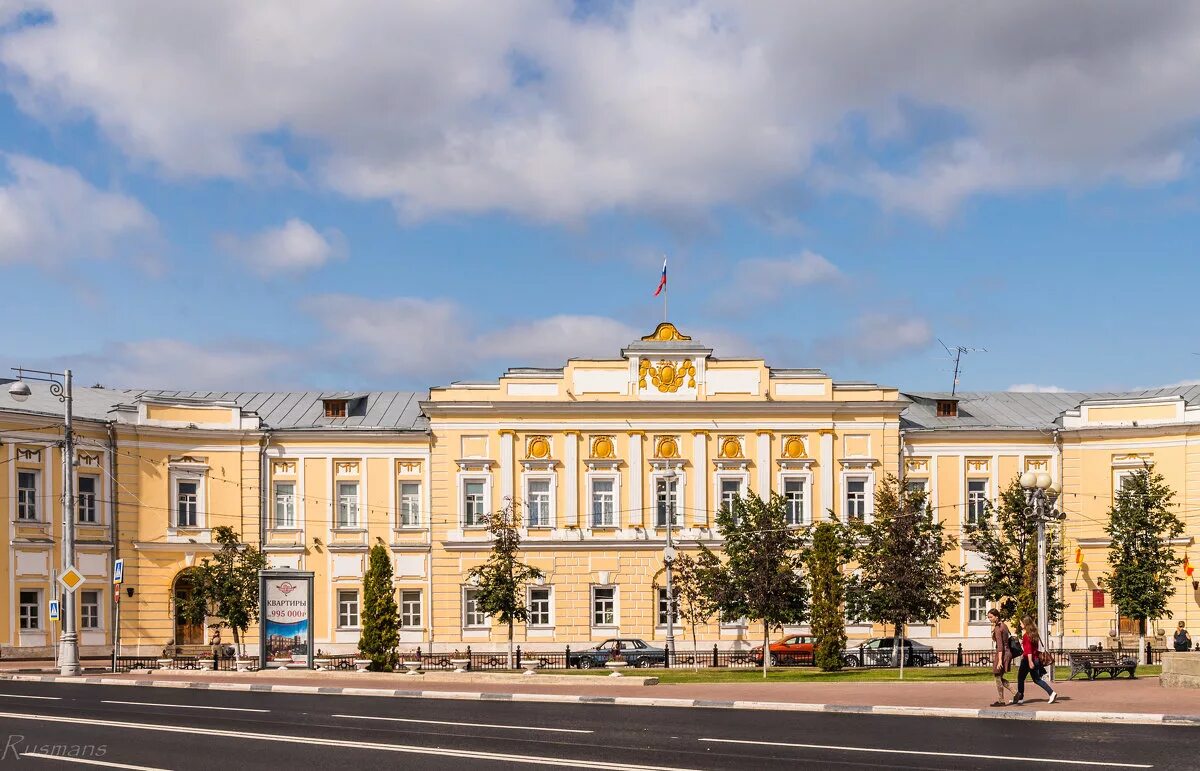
x=161, y=728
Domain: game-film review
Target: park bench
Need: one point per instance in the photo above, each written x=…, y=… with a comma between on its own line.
x=1093, y=663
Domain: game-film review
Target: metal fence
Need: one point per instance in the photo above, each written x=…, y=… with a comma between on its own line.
x=129, y=663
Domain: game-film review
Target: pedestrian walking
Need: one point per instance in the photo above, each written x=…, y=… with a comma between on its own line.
x=1001, y=656
x=1033, y=662
x=1183, y=640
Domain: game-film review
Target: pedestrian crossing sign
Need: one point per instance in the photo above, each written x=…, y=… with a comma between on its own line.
x=54, y=610
x=71, y=579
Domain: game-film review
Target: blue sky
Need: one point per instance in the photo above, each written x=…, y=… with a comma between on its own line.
x=389, y=195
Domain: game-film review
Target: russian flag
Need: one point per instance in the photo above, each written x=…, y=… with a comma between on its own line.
x=662, y=282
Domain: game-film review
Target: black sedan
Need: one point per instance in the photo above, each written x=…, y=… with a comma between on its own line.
x=635, y=651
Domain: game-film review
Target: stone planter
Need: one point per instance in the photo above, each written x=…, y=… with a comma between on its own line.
x=460, y=665
x=243, y=665
x=360, y=665
x=413, y=667
x=281, y=663
x=206, y=665
x=531, y=667
x=165, y=663
x=322, y=665
x=616, y=667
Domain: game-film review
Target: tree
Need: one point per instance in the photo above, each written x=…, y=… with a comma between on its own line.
x=380, y=638
x=903, y=575
x=1142, y=562
x=690, y=599
x=226, y=585
x=502, y=582
x=829, y=551
x=1006, y=538
x=761, y=577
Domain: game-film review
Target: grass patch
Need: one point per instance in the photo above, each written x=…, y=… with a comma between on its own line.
x=814, y=675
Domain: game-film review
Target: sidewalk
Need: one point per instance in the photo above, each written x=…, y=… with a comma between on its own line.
x=1120, y=701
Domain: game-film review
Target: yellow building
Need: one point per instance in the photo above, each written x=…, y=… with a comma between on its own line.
x=598, y=454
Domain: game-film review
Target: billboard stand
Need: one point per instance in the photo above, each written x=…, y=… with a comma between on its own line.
x=285, y=616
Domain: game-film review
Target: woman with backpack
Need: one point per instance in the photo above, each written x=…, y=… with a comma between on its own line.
x=1033, y=662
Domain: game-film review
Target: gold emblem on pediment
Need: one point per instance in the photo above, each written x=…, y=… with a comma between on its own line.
x=667, y=376
x=793, y=447
x=664, y=333
x=538, y=447
x=602, y=447
x=729, y=447
x=666, y=447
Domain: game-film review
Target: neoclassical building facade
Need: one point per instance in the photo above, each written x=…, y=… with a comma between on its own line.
x=600, y=456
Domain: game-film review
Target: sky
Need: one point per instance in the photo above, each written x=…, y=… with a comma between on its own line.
x=367, y=194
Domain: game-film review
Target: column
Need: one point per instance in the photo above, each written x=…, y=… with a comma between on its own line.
x=571, y=459
x=827, y=463
x=506, y=466
x=635, y=478
x=763, y=459
x=700, y=478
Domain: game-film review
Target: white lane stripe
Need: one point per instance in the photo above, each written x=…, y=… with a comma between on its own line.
x=321, y=742
x=469, y=725
x=183, y=706
x=90, y=762
x=22, y=696
x=1020, y=758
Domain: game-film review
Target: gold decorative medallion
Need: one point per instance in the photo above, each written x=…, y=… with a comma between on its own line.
x=730, y=447
x=666, y=447
x=667, y=376
x=602, y=447
x=665, y=333
x=538, y=447
x=793, y=447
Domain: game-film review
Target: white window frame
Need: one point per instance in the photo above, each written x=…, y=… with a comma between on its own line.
x=971, y=589
x=660, y=600
x=615, y=479
x=357, y=524
x=552, y=496
x=616, y=607
x=973, y=499
x=549, y=590
x=199, y=478
x=806, y=477
x=486, y=623
x=37, y=610
x=343, y=615
x=405, y=503
x=868, y=479
x=275, y=524
x=741, y=477
x=99, y=607
x=36, y=503
x=406, y=616
x=680, y=498
x=463, y=480
x=94, y=495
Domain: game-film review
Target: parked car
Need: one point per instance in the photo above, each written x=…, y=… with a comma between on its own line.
x=636, y=652
x=877, y=652
x=794, y=649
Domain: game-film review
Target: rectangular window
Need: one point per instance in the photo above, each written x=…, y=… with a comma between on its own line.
x=604, y=606
x=85, y=498
x=335, y=408
x=604, y=509
x=731, y=495
x=473, y=512
x=347, y=609
x=285, y=504
x=410, y=609
x=472, y=615
x=539, y=607
x=977, y=606
x=187, y=503
x=856, y=498
x=27, y=495
x=537, y=502
x=89, y=609
x=915, y=485
x=410, y=504
x=662, y=608
x=976, y=500
x=667, y=499
x=793, y=494
x=347, y=511
x=30, y=603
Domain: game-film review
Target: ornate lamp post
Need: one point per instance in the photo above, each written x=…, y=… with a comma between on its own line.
x=60, y=386
x=1040, y=495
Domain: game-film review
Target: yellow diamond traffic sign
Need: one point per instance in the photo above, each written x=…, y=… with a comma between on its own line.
x=71, y=579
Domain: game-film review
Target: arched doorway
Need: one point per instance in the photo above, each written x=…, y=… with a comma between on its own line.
x=186, y=633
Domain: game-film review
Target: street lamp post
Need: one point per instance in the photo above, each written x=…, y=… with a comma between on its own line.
x=669, y=558
x=1040, y=494
x=60, y=386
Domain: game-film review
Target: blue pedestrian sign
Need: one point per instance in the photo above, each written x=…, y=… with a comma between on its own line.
x=54, y=610
x=119, y=571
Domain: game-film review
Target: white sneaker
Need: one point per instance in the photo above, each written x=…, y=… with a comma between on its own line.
x=1053, y=696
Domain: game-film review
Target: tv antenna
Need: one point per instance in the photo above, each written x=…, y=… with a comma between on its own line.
x=956, y=353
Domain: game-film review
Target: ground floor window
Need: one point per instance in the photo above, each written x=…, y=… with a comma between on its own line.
x=977, y=605
x=540, y=609
x=30, y=603
x=89, y=609
x=410, y=609
x=472, y=615
x=662, y=607
x=604, y=606
x=348, y=609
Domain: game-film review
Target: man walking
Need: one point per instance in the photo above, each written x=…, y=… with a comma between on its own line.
x=1001, y=656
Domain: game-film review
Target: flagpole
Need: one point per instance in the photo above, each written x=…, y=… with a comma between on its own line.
x=665, y=290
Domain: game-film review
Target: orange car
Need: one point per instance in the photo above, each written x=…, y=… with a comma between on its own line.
x=794, y=649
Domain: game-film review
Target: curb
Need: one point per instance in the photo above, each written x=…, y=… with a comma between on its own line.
x=1050, y=716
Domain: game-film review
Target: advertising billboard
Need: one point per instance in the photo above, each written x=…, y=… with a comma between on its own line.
x=286, y=597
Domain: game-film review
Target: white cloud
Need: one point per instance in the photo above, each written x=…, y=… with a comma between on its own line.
x=50, y=216
x=181, y=365
x=762, y=279
x=876, y=337
x=665, y=105
x=293, y=247
x=1034, y=388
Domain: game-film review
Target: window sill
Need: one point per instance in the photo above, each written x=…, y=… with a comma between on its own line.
x=348, y=529
x=349, y=628
x=284, y=529
x=409, y=528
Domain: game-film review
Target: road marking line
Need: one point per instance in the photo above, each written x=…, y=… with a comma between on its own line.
x=183, y=706
x=470, y=725
x=22, y=696
x=532, y=760
x=90, y=762
x=884, y=750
